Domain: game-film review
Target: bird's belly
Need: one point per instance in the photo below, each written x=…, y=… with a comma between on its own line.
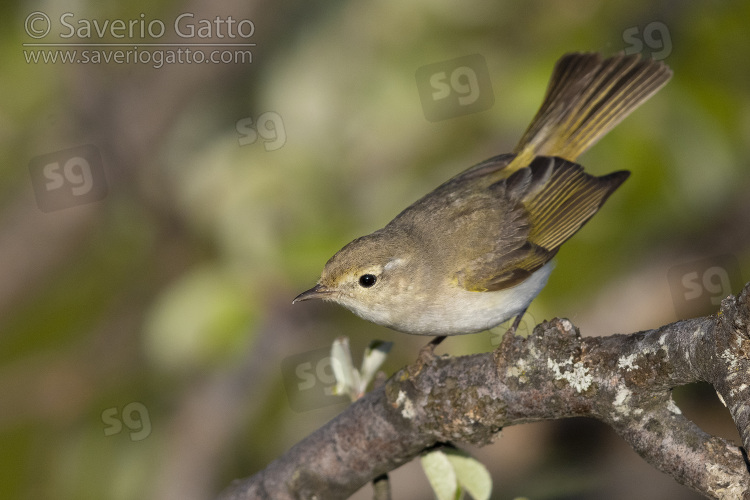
x=462, y=312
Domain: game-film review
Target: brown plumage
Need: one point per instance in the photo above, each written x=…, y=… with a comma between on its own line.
x=476, y=251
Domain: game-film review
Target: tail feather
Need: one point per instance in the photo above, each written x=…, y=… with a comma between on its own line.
x=585, y=99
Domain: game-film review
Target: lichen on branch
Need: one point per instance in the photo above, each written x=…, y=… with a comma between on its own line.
x=623, y=380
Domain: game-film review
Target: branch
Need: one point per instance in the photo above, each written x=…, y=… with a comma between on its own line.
x=622, y=380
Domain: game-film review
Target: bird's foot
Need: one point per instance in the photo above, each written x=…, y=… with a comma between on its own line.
x=427, y=353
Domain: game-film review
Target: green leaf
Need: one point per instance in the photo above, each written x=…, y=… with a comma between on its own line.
x=347, y=377
x=471, y=474
x=441, y=475
x=374, y=357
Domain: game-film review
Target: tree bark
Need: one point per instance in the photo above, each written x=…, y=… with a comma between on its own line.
x=622, y=380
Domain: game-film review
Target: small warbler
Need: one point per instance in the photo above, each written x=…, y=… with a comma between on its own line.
x=477, y=250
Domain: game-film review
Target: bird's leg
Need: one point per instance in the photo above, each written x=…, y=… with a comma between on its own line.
x=511, y=332
x=516, y=322
x=428, y=351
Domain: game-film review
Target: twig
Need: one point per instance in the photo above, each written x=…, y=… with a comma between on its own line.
x=622, y=380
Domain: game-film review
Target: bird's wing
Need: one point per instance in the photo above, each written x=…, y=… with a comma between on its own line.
x=535, y=211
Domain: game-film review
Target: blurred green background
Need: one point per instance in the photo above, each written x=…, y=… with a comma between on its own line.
x=143, y=337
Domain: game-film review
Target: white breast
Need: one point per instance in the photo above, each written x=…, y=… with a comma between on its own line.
x=469, y=312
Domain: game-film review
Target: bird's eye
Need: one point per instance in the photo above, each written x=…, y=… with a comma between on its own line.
x=367, y=280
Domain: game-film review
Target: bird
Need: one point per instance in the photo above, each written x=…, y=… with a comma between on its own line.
x=475, y=252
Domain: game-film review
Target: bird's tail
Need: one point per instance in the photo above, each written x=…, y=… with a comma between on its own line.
x=586, y=97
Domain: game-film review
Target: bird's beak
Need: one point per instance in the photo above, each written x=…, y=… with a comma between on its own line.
x=317, y=292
